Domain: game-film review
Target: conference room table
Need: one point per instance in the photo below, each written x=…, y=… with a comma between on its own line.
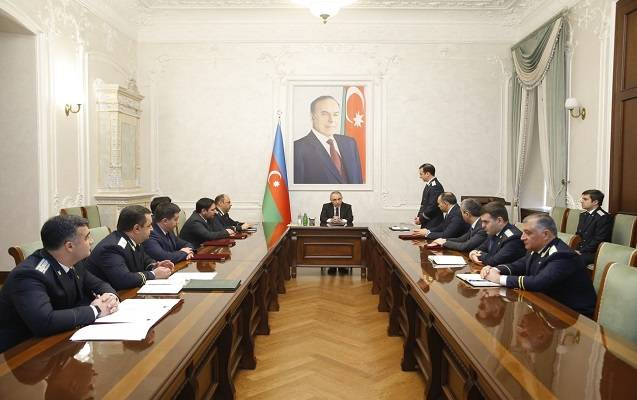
x=467, y=343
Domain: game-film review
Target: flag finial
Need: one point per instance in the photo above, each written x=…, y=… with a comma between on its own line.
x=279, y=113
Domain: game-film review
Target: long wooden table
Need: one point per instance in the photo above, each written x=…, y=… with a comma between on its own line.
x=467, y=343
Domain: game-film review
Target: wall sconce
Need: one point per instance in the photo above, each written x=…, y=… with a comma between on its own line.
x=572, y=104
x=324, y=9
x=68, y=108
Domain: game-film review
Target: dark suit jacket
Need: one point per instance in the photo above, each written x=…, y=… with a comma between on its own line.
x=452, y=225
x=117, y=261
x=429, y=213
x=165, y=247
x=594, y=229
x=40, y=299
x=504, y=248
x=196, y=231
x=312, y=164
x=473, y=238
x=345, y=212
x=557, y=272
x=223, y=219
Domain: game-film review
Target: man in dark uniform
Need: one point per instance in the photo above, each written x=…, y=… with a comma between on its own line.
x=222, y=219
x=50, y=292
x=452, y=225
x=550, y=267
x=200, y=226
x=429, y=215
x=120, y=259
x=503, y=244
x=163, y=244
x=476, y=235
x=595, y=225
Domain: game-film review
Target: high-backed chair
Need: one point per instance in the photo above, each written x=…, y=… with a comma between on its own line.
x=79, y=211
x=571, y=240
x=99, y=233
x=559, y=216
x=624, y=229
x=617, y=300
x=181, y=222
x=19, y=253
x=93, y=215
x=572, y=220
x=611, y=253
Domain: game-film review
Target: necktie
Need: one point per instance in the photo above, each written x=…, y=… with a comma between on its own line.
x=337, y=213
x=336, y=159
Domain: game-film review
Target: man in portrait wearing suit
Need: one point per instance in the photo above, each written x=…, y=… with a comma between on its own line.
x=452, y=225
x=595, y=225
x=120, y=258
x=476, y=235
x=336, y=212
x=429, y=215
x=50, y=291
x=163, y=244
x=323, y=156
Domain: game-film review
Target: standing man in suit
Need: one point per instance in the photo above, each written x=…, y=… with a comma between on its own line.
x=452, y=225
x=473, y=238
x=200, y=226
x=50, y=291
x=503, y=244
x=550, y=267
x=429, y=215
x=336, y=211
x=163, y=244
x=222, y=219
x=595, y=225
x=323, y=156
x=120, y=259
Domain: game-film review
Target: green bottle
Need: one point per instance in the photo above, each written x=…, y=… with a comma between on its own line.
x=304, y=219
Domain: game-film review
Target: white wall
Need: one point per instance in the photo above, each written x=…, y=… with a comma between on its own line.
x=212, y=107
x=19, y=137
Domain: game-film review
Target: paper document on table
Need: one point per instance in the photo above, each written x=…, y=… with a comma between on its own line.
x=448, y=260
x=162, y=286
x=140, y=311
x=399, y=228
x=124, y=331
x=475, y=280
x=186, y=276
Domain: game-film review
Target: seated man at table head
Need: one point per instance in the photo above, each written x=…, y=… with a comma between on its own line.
x=50, y=291
x=475, y=236
x=200, y=226
x=120, y=258
x=157, y=201
x=452, y=225
x=503, y=242
x=163, y=244
x=550, y=267
x=336, y=211
x=429, y=215
x=222, y=220
x=595, y=225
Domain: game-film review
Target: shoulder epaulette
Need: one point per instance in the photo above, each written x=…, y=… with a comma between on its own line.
x=122, y=243
x=43, y=266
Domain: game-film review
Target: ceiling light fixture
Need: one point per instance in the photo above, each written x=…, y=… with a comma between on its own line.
x=324, y=9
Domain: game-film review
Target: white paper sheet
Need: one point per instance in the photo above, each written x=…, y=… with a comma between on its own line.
x=185, y=276
x=475, y=280
x=140, y=311
x=172, y=287
x=124, y=331
x=448, y=260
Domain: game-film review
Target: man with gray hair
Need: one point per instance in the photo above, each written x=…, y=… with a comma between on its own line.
x=474, y=237
x=550, y=267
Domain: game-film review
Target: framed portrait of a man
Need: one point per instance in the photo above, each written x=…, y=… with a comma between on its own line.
x=331, y=133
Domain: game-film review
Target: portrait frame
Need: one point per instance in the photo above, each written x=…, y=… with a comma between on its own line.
x=300, y=93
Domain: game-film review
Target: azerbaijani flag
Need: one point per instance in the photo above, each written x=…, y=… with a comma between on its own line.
x=354, y=121
x=276, y=199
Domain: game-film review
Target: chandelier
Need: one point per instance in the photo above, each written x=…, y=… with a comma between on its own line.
x=324, y=9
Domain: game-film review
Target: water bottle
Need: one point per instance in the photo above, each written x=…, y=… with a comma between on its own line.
x=299, y=219
x=305, y=219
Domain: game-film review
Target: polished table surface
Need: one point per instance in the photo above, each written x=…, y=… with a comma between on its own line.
x=522, y=345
